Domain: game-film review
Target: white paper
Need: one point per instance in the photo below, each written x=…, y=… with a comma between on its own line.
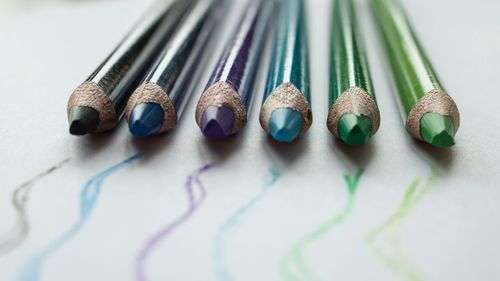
x=244, y=228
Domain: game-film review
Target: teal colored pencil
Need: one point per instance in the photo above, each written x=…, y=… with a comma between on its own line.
x=286, y=111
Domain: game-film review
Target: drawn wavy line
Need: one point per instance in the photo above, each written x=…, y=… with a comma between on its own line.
x=31, y=271
x=395, y=258
x=294, y=259
x=232, y=224
x=20, y=198
x=193, y=205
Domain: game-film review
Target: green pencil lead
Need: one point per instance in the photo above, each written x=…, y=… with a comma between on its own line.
x=437, y=130
x=355, y=129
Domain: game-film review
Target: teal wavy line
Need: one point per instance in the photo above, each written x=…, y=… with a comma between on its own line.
x=234, y=221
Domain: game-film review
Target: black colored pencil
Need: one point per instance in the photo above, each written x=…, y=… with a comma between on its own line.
x=99, y=103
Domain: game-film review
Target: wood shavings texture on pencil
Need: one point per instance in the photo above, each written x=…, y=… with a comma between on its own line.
x=152, y=93
x=99, y=103
x=354, y=100
x=286, y=96
x=222, y=94
x=431, y=114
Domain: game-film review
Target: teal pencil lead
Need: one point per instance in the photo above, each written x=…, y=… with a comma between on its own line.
x=285, y=124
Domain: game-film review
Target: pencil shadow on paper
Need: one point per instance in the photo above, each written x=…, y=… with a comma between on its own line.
x=358, y=156
x=443, y=158
x=221, y=150
x=287, y=153
x=152, y=146
x=91, y=144
x=20, y=198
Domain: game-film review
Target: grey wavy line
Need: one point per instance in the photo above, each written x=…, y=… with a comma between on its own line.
x=20, y=198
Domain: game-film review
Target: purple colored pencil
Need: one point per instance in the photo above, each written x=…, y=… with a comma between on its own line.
x=222, y=108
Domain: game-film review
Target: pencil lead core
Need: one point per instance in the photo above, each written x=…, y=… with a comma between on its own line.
x=83, y=120
x=217, y=122
x=437, y=129
x=146, y=119
x=355, y=129
x=285, y=124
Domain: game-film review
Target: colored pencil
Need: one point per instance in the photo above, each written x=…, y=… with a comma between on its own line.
x=157, y=104
x=222, y=108
x=431, y=114
x=354, y=115
x=286, y=110
x=99, y=103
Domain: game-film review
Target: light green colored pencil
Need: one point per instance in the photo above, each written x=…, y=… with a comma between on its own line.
x=431, y=114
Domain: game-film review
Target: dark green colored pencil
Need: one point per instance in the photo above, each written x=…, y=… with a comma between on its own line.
x=354, y=116
x=431, y=114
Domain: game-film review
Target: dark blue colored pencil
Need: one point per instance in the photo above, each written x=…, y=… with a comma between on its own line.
x=157, y=104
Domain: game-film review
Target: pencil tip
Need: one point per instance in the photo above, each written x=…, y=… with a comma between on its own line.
x=355, y=129
x=83, y=120
x=437, y=130
x=285, y=124
x=146, y=119
x=217, y=122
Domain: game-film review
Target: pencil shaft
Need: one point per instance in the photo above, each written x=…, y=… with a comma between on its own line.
x=354, y=116
x=127, y=65
x=286, y=112
x=180, y=64
x=349, y=66
x=431, y=114
x=290, y=60
x=414, y=74
x=240, y=60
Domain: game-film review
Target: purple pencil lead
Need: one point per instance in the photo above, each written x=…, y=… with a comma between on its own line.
x=217, y=122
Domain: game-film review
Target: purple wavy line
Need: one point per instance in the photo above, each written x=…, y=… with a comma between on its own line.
x=193, y=205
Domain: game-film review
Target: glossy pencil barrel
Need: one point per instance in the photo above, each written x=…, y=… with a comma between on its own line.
x=419, y=88
x=107, y=89
x=229, y=91
x=168, y=86
x=354, y=115
x=286, y=111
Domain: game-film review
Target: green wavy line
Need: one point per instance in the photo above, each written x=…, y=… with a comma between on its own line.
x=395, y=257
x=293, y=266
